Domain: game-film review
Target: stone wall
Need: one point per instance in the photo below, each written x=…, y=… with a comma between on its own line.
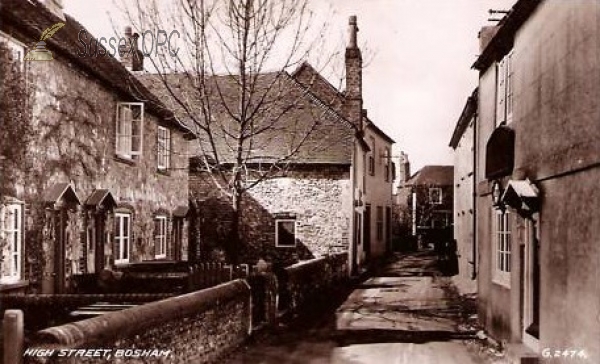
x=317, y=197
x=199, y=327
x=74, y=142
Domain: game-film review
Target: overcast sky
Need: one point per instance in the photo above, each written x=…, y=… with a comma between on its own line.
x=419, y=75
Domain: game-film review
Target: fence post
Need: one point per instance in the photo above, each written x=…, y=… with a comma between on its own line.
x=12, y=331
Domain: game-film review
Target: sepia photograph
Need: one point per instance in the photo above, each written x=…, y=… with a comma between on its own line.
x=300, y=181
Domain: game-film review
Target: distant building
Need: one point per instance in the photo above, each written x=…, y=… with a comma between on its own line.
x=537, y=162
x=430, y=202
x=462, y=142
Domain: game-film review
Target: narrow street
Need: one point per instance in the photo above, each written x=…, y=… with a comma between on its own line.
x=405, y=313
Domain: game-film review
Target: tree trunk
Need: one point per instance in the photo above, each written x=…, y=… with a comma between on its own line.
x=234, y=240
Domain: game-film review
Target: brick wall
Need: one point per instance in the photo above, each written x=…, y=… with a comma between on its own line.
x=198, y=327
x=317, y=197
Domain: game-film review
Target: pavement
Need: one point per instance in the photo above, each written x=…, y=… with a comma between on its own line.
x=406, y=312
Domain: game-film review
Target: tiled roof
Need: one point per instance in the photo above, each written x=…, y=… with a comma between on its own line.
x=309, y=77
x=465, y=118
x=30, y=18
x=433, y=175
x=503, y=40
x=290, y=110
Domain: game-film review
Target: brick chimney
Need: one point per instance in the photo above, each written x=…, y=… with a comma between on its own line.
x=404, y=169
x=353, y=94
x=485, y=36
x=131, y=57
x=55, y=7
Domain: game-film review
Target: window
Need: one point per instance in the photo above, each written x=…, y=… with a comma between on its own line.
x=122, y=237
x=130, y=125
x=164, y=148
x=387, y=161
x=502, y=251
x=379, y=223
x=11, y=236
x=504, y=90
x=285, y=233
x=372, y=157
x=435, y=195
x=160, y=237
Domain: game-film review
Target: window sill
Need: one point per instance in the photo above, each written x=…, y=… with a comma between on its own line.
x=285, y=246
x=164, y=172
x=501, y=282
x=125, y=160
x=13, y=285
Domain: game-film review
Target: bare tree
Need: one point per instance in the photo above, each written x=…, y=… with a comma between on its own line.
x=229, y=83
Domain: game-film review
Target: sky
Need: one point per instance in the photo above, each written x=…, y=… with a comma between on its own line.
x=419, y=55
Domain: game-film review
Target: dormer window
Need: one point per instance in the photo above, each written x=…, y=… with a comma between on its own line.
x=130, y=129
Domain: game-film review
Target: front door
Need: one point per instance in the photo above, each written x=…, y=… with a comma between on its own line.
x=367, y=232
x=61, y=239
x=99, y=240
x=531, y=285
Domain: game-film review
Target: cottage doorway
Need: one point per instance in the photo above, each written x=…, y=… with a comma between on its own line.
x=367, y=233
x=531, y=284
x=98, y=242
x=62, y=236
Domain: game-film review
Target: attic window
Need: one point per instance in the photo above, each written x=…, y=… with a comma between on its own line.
x=129, y=129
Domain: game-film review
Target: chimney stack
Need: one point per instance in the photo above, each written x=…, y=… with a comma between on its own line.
x=485, y=36
x=353, y=94
x=404, y=166
x=131, y=57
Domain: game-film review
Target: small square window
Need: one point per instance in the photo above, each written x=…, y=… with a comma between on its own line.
x=435, y=195
x=285, y=233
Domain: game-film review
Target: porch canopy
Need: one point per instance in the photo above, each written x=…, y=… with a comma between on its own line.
x=101, y=199
x=60, y=194
x=521, y=195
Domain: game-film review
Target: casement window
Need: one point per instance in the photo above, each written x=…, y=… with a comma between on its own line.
x=372, y=157
x=285, y=233
x=164, y=148
x=130, y=129
x=122, y=237
x=502, y=247
x=504, y=90
x=11, y=238
x=435, y=195
x=160, y=237
x=387, y=160
x=379, y=223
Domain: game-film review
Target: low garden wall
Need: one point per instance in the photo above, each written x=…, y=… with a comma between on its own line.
x=303, y=282
x=197, y=327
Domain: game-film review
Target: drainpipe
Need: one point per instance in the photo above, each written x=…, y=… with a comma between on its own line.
x=352, y=242
x=474, y=194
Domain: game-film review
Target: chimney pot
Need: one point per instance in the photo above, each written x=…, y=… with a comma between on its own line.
x=353, y=28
